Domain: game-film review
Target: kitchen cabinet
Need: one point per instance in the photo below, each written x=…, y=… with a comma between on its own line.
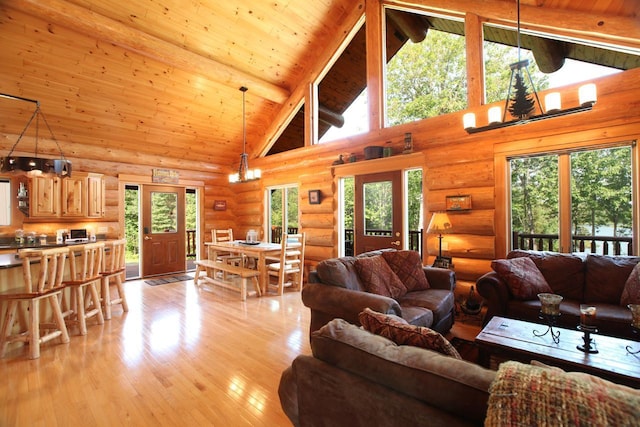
x=44, y=196
x=95, y=195
x=78, y=196
x=74, y=196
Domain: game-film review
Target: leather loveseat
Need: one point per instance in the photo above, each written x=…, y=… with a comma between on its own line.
x=336, y=290
x=598, y=280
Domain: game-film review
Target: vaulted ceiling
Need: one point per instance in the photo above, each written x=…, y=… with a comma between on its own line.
x=148, y=79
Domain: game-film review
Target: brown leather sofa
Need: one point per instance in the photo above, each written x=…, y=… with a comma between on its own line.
x=578, y=278
x=334, y=290
x=355, y=378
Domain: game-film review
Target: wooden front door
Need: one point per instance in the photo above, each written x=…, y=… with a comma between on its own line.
x=378, y=211
x=163, y=230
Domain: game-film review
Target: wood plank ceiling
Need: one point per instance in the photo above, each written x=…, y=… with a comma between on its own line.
x=146, y=80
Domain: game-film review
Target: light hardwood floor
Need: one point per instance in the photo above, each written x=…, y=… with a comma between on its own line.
x=179, y=357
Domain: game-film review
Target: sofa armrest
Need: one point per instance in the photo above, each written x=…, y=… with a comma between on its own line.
x=440, y=278
x=495, y=292
x=346, y=303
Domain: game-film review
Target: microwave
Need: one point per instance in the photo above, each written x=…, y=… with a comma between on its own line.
x=77, y=236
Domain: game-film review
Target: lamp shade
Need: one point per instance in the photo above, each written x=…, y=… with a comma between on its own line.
x=439, y=223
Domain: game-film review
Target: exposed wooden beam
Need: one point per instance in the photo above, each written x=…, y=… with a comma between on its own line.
x=549, y=54
x=588, y=26
x=409, y=24
x=330, y=117
x=98, y=26
x=375, y=64
x=475, y=63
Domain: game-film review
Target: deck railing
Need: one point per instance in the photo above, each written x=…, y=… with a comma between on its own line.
x=608, y=245
x=276, y=233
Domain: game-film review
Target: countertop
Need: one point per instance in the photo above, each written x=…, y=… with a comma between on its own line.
x=11, y=260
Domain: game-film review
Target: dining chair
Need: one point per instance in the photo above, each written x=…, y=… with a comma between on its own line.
x=85, y=264
x=225, y=235
x=113, y=267
x=46, y=286
x=288, y=271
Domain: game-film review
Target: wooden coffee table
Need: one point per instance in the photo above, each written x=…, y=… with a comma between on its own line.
x=509, y=339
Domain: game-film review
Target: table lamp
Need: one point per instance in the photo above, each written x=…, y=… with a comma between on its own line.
x=439, y=223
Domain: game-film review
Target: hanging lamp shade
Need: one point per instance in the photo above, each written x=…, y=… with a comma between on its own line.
x=244, y=173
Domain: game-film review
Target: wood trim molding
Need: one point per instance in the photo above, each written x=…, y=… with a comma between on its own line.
x=146, y=179
x=385, y=164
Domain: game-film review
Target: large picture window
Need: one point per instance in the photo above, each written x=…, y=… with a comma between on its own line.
x=578, y=201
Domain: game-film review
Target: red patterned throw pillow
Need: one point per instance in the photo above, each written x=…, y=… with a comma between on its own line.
x=522, y=277
x=378, y=278
x=408, y=267
x=631, y=292
x=402, y=333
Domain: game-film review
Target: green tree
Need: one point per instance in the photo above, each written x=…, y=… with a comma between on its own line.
x=601, y=190
x=428, y=79
x=131, y=223
x=349, y=200
x=377, y=207
x=190, y=210
x=164, y=212
x=292, y=207
x=414, y=181
x=534, y=195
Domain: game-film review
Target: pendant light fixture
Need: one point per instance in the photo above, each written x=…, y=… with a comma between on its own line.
x=244, y=174
x=34, y=165
x=522, y=105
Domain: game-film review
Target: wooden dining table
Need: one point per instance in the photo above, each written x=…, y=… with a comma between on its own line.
x=259, y=251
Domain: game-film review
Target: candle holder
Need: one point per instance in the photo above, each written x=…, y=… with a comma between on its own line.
x=550, y=320
x=629, y=349
x=549, y=312
x=587, y=325
x=586, y=338
x=635, y=324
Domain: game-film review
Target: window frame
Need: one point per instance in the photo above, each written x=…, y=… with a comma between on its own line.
x=505, y=152
x=285, y=217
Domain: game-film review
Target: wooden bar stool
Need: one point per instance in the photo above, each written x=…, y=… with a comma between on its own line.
x=48, y=286
x=85, y=264
x=113, y=267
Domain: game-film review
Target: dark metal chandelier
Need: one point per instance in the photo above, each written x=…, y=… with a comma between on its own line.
x=522, y=105
x=34, y=165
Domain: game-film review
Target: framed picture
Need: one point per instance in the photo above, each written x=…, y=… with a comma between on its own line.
x=442, y=262
x=220, y=205
x=314, y=197
x=458, y=203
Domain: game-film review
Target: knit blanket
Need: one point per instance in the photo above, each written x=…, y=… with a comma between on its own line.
x=528, y=395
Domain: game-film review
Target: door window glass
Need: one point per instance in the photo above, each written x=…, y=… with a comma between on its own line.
x=163, y=212
x=378, y=208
